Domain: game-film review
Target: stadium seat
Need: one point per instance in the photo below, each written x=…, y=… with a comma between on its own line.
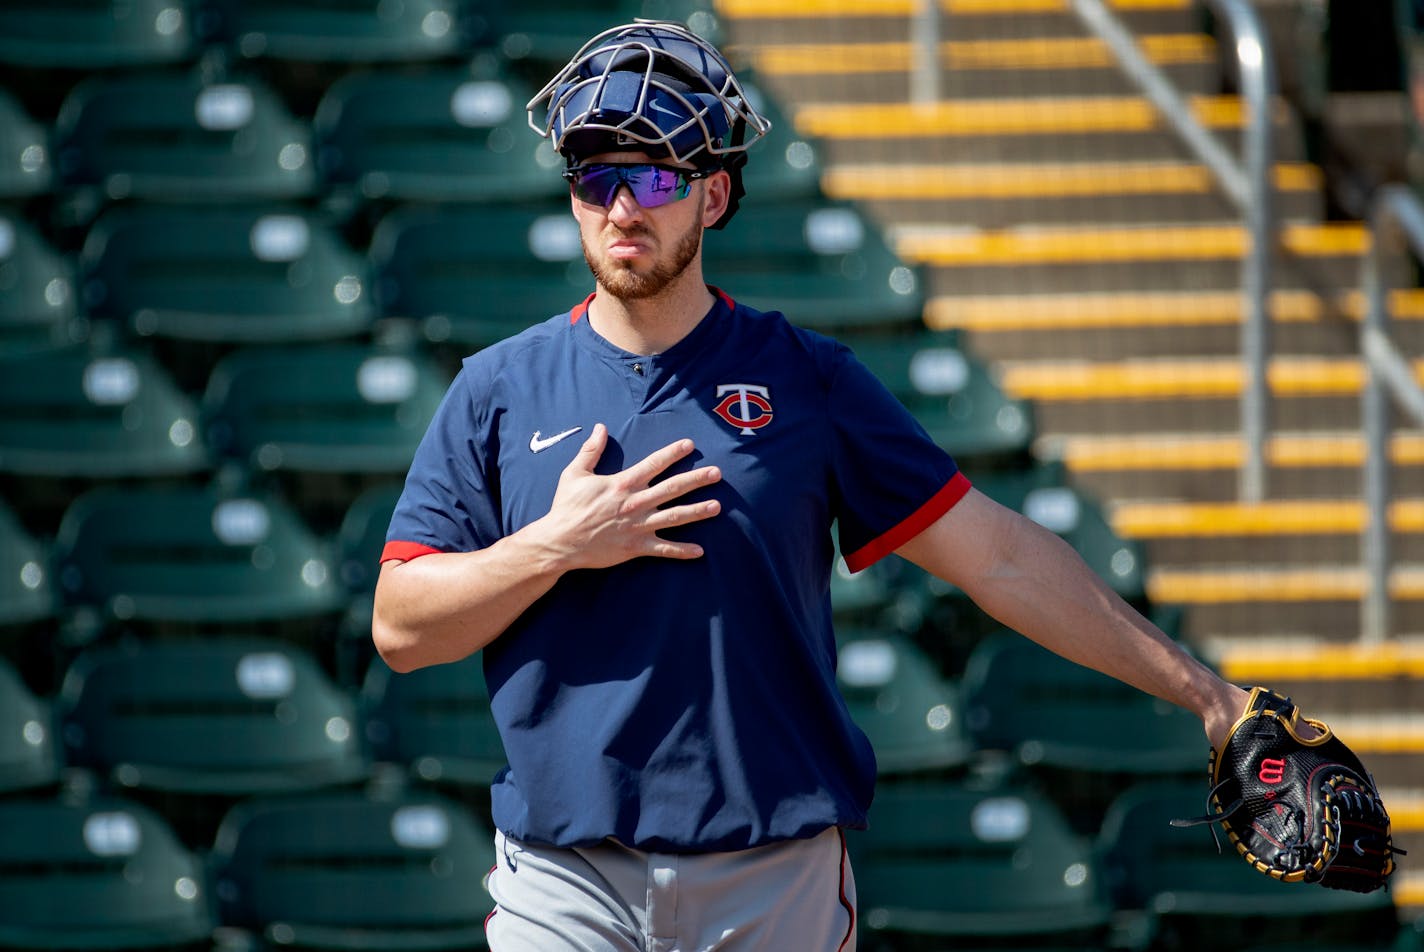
x=547, y=33
x=195, y=724
x=783, y=165
x=354, y=871
x=963, y=863
x=362, y=535
x=1196, y=896
x=442, y=134
x=239, y=274
x=822, y=263
x=80, y=413
x=39, y=296
x=436, y=723
x=27, y=591
x=1023, y=698
x=179, y=137
x=953, y=395
x=473, y=275
x=913, y=718
x=98, y=874
x=360, y=538
x=25, y=166
x=27, y=749
x=96, y=35
x=192, y=556
x=341, y=31
x=324, y=408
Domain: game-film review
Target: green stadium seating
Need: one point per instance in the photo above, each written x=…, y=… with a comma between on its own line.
x=99, y=874
x=177, y=136
x=877, y=596
x=27, y=591
x=1196, y=896
x=239, y=274
x=362, y=536
x=80, y=413
x=341, y=31
x=822, y=263
x=913, y=718
x=154, y=555
x=442, y=134
x=324, y=421
x=959, y=863
x=434, y=722
x=473, y=275
x=39, y=297
x=546, y=33
x=27, y=750
x=96, y=34
x=26, y=168
x=193, y=725
x=226, y=715
x=335, y=407
x=783, y=165
x=355, y=871
x=1022, y=698
x=953, y=395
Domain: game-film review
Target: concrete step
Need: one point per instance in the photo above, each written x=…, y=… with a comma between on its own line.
x=1203, y=468
x=841, y=21
x=1093, y=259
x=1293, y=532
x=1188, y=395
x=1002, y=195
x=1030, y=129
x=1129, y=324
x=1233, y=599
x=1355, y=677
x=862, y=71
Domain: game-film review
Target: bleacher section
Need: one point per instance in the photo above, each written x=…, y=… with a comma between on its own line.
x=243, y=246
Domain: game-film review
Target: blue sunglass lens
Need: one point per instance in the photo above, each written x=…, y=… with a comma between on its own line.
x=651, y=185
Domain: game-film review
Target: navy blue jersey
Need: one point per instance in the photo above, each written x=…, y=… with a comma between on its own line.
x=679, y=705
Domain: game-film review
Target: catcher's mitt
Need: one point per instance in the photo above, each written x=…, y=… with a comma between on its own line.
x=1298, y=810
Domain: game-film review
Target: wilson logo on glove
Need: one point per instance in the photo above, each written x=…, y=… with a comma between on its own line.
x=1272, y=771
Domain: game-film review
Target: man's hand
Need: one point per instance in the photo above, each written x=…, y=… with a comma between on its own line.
x=599, y=521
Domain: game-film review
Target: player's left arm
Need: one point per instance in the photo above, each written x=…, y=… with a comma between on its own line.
x=1031, y=580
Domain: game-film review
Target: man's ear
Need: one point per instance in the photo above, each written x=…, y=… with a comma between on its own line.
x=719, y=194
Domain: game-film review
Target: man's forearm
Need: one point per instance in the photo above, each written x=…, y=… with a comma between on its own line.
x=446, y=606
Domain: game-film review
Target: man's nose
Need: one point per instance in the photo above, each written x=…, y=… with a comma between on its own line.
x=624, y=207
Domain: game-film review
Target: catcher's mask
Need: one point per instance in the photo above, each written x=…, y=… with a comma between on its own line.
x=651, y=86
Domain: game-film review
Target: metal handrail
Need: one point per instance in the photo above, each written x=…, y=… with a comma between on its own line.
x=1388, y=374
x=1246, y=182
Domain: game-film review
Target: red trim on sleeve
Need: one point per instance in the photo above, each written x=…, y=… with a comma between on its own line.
x=405, y=551
x=918, y=521
x=581, y=309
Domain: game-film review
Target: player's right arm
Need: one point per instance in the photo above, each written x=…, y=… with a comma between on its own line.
x=447, y=605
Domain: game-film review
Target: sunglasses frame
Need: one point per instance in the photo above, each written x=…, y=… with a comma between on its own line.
x=575, y=173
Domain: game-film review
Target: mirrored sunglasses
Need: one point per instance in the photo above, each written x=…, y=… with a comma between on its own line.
x=652, y=185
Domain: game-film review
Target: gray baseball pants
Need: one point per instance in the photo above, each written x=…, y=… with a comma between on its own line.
x=793, y=896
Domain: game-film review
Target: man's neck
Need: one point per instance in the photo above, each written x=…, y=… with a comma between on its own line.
x=654, y=324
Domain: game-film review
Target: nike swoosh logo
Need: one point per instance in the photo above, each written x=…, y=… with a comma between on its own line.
x=664, y=109
x=538, y=445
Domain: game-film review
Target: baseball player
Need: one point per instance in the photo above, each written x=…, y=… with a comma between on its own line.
x=629, y=509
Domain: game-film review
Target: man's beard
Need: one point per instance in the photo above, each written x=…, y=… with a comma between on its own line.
x=622, y=281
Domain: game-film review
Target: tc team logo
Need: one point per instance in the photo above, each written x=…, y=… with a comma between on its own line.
x=745, y=406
